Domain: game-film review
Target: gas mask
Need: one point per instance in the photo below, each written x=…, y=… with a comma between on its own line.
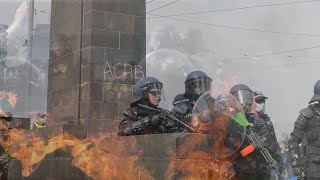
x=261, y=107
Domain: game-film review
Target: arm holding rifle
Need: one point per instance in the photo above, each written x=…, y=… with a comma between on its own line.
x=257, y=143
x=133, y=124
x=167, y=115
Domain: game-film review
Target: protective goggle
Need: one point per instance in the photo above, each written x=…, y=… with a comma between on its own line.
x=155, y=89
x=155, y=93
x=244, y=96
x=198, y=85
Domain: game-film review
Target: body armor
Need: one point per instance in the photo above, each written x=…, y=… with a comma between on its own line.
x=307, y=126
x=183, y=111
x=254, y=165
x=136, y=121
x=264, y=128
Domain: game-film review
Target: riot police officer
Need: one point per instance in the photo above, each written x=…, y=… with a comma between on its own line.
x=196, y=83
x=138, y=121
x=260, y=100
x=307, y=131
x=179, y=98
x=266, y=130
x=254, y=165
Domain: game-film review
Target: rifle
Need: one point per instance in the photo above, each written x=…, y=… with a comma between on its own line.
x=169, y=116
x=256, y=143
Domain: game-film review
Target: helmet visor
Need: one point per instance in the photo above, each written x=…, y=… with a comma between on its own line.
x=155, y=89
x=244, y=96
x=198, y=86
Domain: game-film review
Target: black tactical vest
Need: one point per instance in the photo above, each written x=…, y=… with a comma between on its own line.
x=313, y=127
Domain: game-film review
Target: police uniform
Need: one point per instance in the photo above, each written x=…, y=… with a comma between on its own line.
x=254, y=165
x=139, y=121
x=264, y=128
x=307, y=126
x=196, y=83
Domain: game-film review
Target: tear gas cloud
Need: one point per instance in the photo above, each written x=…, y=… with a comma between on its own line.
x=272, y=49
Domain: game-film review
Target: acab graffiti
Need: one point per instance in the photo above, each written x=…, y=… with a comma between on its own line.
x=123, y=71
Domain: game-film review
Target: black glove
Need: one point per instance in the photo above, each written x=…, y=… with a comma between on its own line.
x=156, y=119
x=250, y=116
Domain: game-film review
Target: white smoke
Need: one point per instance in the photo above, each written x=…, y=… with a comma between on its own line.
x=20, y=15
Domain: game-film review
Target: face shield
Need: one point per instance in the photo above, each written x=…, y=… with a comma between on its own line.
x=155, y=89
x=223, y=121
x=198, y=86
x=245, y=97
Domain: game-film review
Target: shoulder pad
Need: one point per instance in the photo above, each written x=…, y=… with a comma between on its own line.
x=307, y=112
x=132, y=112
x=301, y=122
x=265, y=117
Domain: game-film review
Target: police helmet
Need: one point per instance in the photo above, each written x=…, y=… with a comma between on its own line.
x=259, y=96
x=242, y=93
x=197, y=83
x=144, y=85
x=316, y=92
x=178, y=99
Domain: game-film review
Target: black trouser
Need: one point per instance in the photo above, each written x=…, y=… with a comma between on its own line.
x=313, y=171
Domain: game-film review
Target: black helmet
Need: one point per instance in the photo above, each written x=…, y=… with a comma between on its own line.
x=316, y=92
x=143, y=86
x=259, y=96
x=197, y=83
x=179, y=98
x=242, y=93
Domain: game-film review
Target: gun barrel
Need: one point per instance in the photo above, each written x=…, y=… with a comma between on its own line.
x=183, y=124
x=256, y=142
x=149, y=108
x=272, y=163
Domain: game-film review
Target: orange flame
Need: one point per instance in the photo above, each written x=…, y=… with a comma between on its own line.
x=193, y=163
x=11, y=99
x=99, y=157
x=226, y=85
x=197, y=163
x=115, y=153
x=30, y=149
